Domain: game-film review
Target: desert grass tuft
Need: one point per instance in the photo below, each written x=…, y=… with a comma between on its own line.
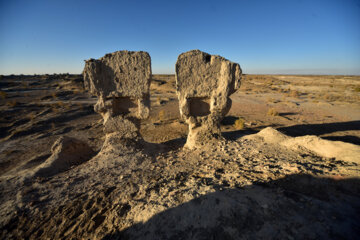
x=294, y=94
x=12, y=103
x=239, y=124
x=273, y=112
x=158, y=101
x=161, y=115
x=53, y=127
x=3, y=94
x=31, y=116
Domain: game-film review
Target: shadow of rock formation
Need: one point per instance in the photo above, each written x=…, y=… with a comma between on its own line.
x=295, y=207
x=324, y=128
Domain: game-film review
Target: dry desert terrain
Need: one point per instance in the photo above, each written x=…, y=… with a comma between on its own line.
x=288, y=165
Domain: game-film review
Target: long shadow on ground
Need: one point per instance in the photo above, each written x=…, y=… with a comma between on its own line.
x=324, y=128
x=306, y=129
x=295, y=207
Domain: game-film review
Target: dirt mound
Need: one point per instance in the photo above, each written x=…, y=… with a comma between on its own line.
x=330, y=149
x=66, y=152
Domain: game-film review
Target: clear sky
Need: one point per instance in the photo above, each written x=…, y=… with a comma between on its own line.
x=263, y=36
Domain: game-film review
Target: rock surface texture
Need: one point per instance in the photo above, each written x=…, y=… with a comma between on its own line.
x=66, y=152
x=121, y=80
x=204, y=83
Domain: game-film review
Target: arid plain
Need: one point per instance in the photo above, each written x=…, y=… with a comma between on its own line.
x=288, y=164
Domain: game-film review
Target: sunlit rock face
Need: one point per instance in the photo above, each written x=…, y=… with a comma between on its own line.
x=121, y=80
x=204, y=83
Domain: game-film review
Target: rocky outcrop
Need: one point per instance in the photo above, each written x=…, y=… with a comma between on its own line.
x=66, y=152
x=121, y=80
x=204, y=83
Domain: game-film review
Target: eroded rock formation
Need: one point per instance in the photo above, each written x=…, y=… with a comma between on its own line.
x=204, y=83
x=66, y=152
x=121, y=80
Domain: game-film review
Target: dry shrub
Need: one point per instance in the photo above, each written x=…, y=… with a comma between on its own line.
x=270, y=100
x=273, y=112
x=54, y=107
x=61, y=104
x=25, y=84
x=81, y=107
x=31, y=116
x=239, y=124
x=3, y=94
x=294, y=93
x=78, y=90
x=331, y=98
x=12, y=103
x=162, y=115
x=269, y=82
x=158, y=100
x=357, y=89
x=68, y=106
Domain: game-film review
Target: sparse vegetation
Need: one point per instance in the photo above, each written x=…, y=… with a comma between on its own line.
x=294, y=94
x=3, y=94
x=239, y=124
x=31, y=116
x=158, y=100
x=161, y=115
x=273, y=112
x=12, y=103
x=25, y=84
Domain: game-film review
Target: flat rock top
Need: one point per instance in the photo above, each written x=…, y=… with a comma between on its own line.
x=199, y=74
x=122, y=73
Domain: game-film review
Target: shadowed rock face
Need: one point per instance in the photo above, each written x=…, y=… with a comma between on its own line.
x=66, y=152
x=121, y=80
x=204, y=83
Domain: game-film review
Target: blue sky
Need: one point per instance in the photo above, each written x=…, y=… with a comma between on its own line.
x=263, y=36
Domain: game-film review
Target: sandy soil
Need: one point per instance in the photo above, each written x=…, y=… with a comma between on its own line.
x=265, y=179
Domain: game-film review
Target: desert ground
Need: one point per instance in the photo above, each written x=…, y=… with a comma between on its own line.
x=288, y=165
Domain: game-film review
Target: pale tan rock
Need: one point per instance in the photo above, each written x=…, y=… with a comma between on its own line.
x=121, y=80
x=204, y=83
x=66, y=152
x=331, y=149
x=119, y=74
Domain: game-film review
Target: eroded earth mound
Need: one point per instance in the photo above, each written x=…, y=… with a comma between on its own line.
x=248, y=188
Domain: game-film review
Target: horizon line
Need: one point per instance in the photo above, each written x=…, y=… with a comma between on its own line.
x=288, y=74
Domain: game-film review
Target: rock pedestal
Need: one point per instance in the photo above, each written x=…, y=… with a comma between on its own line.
x=204, y=83
x=121, y=80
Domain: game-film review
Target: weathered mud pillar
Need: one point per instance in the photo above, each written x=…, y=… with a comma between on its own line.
x=121, y=80
x=204, y=83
